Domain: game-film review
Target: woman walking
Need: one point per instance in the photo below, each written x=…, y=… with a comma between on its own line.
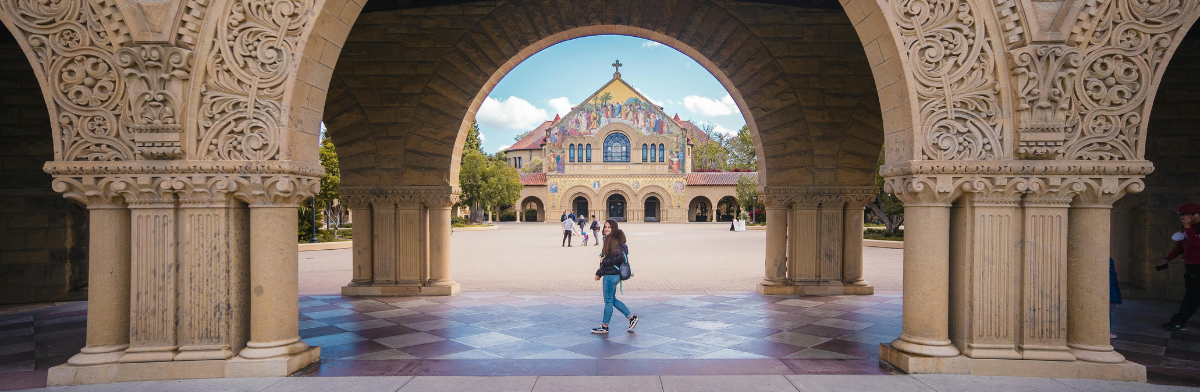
x=612, y=259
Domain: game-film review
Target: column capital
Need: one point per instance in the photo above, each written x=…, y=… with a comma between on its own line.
x=280, y=183
x=1102, y=192
x=923, y=190
x=811, y=197
x=427, y=196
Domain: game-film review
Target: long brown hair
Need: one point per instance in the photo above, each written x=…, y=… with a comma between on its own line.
x=613, y=241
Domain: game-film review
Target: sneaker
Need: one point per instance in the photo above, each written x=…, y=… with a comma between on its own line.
x=1172, y=326
x=600, y=329
x=633, y=323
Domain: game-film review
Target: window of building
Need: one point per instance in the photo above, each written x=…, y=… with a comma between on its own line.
x=571, y=148
x=616, y=148
x=645, y=152
x=662, y=153
x=653, y=154
x=580, y=152
x=589, y=152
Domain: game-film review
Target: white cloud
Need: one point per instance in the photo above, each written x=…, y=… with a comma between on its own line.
x=651, y=44
x=716, y=127
x=504, y=147
x=710, y=107
x=511, y=113
x=482, y=137
x=561, y=105
x=652, y=100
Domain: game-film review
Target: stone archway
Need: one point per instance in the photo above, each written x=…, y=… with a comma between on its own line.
x=700, y=209
x=532, y=204
x=992, y=119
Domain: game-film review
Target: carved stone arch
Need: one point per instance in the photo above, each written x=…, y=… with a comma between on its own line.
x=616, y=188
x=654, y=190
x=576, y=191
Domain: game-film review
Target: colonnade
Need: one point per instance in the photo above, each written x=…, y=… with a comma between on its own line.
x=403, y=241
x=193, y=275
x=1008, y=275
x=814, y=240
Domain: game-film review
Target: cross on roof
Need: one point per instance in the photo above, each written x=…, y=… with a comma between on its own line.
x=617, y=65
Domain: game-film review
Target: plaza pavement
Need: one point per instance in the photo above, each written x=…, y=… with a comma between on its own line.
x=528, y=257
x=524, y=336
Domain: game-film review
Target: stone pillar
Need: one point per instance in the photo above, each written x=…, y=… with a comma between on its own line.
x=152, y=309
x=384, y=240
x=363, y=259
x=1043, y=330
x=108, y=284
x=803, y=240
x=985, y=256
x=206, y=271
x=926, y=281
x=852, y=252
x=775, y=276
x=1088, y=247
x=274, y=278
x=440, y=282
x=831, y=244
x=410, y=237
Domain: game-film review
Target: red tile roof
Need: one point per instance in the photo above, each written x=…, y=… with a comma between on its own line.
x=534, y=139
x=533, y=178
x=717, y=178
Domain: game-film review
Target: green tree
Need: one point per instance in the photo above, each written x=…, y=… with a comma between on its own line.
x=487, y=183
x=709, y=155
x=747, y=194
x=741, y=151
x=535, y=165
x=521, y=135
x=330, y=183
x=886, y=208
x=473, y=143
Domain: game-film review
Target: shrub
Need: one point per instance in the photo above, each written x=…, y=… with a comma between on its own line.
x=459, y=220
x=880, y=234
x=507, y=216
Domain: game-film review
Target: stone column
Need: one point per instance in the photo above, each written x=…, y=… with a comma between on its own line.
x=830, y=243
x=852, y=237
x=152, y=311
x=1043, y=330
x=1089, y=220
x=384, y=240
x=363, y=271
x=108, y=284
x=985, y=255
x=440, y=282
x=274, y=282
x=777, y=241
x=205, y=271
x=803, y=240
x=410, y=238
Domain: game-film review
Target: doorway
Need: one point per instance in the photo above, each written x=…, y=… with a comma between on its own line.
x=616, y=208
x=651, y=208
x=581, y=206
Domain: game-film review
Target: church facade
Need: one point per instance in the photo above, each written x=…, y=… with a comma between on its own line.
x=619, y=156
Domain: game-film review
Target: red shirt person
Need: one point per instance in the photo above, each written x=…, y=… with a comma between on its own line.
x=1189, y=246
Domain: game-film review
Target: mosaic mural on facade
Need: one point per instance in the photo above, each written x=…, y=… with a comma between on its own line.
x=617, y=103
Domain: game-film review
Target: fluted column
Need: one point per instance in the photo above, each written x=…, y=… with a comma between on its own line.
x=803, y=240
x=363, y=270
x=274, y=278
x=439, y=245
x=208, y=270
x=1043, y=332
x=830, y=241
x=152, y=311
x=108, y=284
x=777, y=239
x=1087, y=275
x=985, y=255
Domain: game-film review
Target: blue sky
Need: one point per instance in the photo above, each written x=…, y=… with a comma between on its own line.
x=563, y=75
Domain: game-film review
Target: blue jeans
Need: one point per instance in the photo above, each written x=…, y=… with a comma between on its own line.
x=610, y=297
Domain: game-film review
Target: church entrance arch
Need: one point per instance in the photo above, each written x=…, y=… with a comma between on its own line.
x=651, y=209
x=580, y=206
x=615, y=205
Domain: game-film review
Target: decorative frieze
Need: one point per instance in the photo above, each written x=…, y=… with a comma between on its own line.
x=1043, y=80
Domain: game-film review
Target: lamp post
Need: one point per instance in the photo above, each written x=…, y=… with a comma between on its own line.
x=313, y=202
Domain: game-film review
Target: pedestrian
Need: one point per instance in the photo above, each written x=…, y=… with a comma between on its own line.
x=564, y=217
x=1114, y=294
x=568, y=226
x=596, y=229
x=1189, y=245
x=583, y=230
x=612, y=258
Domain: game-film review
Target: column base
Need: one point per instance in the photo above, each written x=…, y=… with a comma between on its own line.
x=1098, y=354
x=90, y=356
x=802, y=289
x=401, y=291
x=178, y=370
x=910, y=363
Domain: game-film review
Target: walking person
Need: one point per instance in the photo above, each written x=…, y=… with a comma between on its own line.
x=1189, y=245
x=596, y=229
x=564, y=217
x=612, y=258
x=568, y=226
x=583, y=230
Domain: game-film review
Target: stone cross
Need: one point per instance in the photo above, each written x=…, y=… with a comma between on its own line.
x=617, y=73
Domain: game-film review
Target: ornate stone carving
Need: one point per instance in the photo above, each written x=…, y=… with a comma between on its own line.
x=156, y=77
x=1043, y=80
x=241, y=105
x=1124, y=44
x=954, y=69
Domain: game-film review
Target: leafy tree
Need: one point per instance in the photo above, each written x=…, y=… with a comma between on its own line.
x=487, y=182
x=747, y=194
x=709, y=156
x=330, y=182
x=886, y=208
x=741, y=151
x=535, y=165
x=522, y=135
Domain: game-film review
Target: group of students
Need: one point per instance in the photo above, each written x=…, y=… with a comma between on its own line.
x=579, y=226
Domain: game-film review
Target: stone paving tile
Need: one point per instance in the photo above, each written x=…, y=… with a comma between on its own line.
x=691, y=334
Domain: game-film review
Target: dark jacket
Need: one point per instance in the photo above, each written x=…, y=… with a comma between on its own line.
x=1189, y=247
x=563, y=218
x=608, y=266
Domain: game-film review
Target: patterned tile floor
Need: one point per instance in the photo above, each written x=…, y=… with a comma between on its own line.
x=547, y=334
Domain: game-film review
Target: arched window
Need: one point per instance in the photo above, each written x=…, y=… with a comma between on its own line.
x=645, y=152
x=616, y=148
x=662, y=155
x=580, y=153
x=571, y=148
x=653, y=154
x=589, y=152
